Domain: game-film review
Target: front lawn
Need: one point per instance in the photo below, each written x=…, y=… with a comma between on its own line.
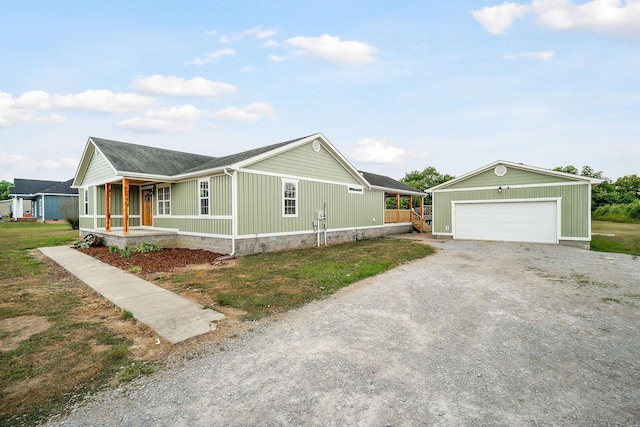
x=626, y=239
x=274, y=282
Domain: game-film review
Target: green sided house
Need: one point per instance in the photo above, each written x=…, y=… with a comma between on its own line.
x=513, y=202
x=296, y=193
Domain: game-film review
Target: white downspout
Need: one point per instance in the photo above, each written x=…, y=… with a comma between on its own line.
x=234, y=210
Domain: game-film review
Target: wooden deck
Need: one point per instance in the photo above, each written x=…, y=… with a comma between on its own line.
x=395, y=216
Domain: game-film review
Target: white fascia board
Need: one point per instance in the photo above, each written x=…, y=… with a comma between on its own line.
x=84, y=162
x=514, y=187
x=592, y=181
x=399, y=191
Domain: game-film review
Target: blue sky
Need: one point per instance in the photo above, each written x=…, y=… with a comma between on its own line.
x=395, y=86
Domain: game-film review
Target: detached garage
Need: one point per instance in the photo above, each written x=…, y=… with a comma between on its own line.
x=513, y=202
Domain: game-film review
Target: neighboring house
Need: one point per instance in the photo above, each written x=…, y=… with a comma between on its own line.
x=5, y=209
x=43, y=200
x=507, y=201
x=292, y=194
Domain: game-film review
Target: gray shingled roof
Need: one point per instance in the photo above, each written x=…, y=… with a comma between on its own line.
x=37, y=186
x=386, y=182
x=125, y=157
x=220, y=162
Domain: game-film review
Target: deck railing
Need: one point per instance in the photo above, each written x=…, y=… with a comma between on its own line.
x=392, y=216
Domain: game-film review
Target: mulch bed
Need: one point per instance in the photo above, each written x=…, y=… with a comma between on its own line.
x=164, y=260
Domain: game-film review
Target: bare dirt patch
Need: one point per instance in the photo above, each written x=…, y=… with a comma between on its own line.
x=14, y=330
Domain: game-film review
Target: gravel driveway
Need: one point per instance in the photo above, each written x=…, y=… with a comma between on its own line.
x=479, y=334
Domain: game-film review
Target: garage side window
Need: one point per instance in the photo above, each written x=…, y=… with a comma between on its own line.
x=289, y=198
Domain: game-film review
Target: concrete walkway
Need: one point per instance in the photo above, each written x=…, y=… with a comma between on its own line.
x=173, y=317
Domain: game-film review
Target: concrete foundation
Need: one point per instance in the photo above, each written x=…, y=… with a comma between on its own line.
x=244, y=246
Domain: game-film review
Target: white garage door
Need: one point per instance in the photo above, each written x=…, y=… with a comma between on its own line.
x=507, y=221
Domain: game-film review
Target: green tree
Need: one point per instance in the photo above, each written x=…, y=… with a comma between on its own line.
x=627, y=188
x=623, y=191
x=429, y=177
x=4, y=189
x=567, y=169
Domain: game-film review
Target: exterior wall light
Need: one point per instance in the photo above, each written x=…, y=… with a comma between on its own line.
x=499, y=189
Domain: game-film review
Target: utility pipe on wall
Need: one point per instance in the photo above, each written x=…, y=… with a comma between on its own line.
x=234, y=211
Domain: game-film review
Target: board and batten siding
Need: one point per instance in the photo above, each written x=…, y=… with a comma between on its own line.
x=574, y=205
x=260, y=208
x=303, y=161
x=185, y=208
x=98, y=170
x=204, y=225
x=513, y=176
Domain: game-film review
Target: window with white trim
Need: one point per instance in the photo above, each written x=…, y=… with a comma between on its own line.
x=204, y=196
x=164, y=200
x=86, y=201
x=289, y=198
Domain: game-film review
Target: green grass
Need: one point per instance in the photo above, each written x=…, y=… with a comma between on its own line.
x=275, y=282
x=625, y=241
x=71, y=356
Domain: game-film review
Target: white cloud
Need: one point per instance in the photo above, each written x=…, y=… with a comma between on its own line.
x=213, y=56
x=15, y=161
x=261, y=33
x=247, y=68
x=24, y=163
x=248, y=113
x=498, y=19
x=609, y=16
x=546, y=55
x=332, y=49
x=616, y=17
x=167, y=119
x=371, y=150
x=10, y=114
x=26, y=107
x=253, y=33
x=51, y=119
x=277, y=58
x=270, y=43
x=103, y=101
x=177, y=86
x=65, y=163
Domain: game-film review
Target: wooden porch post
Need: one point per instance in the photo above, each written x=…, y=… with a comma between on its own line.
x=125, y=206
x=422, y=214
x=107, y=204
x=397, y=208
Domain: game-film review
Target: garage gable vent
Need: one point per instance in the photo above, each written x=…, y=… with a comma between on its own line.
x=500, y=170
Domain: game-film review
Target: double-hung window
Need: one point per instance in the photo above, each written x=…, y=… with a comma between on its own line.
x=204, y=197
x=86, y=201
x=289, y=198
x=164, y=200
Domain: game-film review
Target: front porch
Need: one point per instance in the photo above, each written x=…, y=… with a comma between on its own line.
x=136, y=236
